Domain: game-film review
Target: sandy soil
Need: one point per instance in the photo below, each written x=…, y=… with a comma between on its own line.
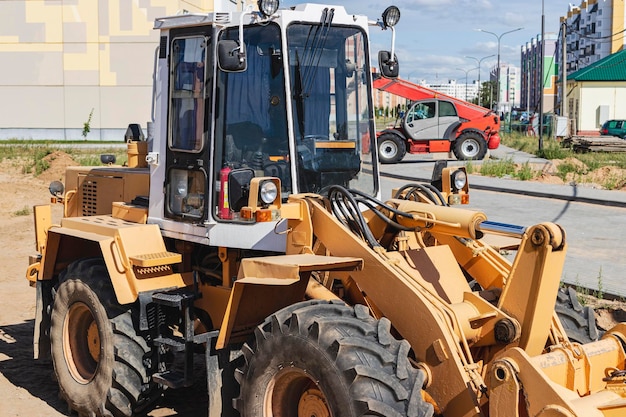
x=27, y=386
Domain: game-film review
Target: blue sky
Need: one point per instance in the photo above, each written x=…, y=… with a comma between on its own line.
x=434, y=36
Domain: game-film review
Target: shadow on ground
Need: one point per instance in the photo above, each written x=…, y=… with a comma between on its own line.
x=37, y=376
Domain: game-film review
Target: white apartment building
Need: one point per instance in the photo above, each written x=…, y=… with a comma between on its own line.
x=510, y=86
x=467, y=92
x=594, y=30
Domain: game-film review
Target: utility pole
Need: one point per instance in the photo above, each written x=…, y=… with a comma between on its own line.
x=564, y=70
x=541, y=75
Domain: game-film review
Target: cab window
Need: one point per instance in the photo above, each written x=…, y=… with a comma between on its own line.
x=187, y=93
x=446, y=109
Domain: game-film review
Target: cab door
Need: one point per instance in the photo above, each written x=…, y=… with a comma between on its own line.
x=421, y=121
x=447, y=116
x=187, y=154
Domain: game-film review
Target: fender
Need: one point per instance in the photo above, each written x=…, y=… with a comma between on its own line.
x=270, y=283
x=134, y=254
x=396, y=132
x=468, y=130
x=451, y=131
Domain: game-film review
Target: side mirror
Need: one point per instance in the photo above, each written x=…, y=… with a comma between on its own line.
x=231, y=57
x=239, y=187
x=389, y=66
x=437, y=176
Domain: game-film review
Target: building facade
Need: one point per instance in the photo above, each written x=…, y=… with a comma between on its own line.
x=71, y=62
x=533, y=88
x=464, y=91
x=593, y=30
x=509, y=87
x=597, y=93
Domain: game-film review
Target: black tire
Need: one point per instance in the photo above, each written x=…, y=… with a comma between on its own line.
x=469, y=146
x=328, y=359
x=103, y=365
x=391, y=148
x=578, y=321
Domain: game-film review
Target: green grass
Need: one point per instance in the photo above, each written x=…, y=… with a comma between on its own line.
x=25, y=211
x=29, y=155
x=500, y=168
x=553, y=149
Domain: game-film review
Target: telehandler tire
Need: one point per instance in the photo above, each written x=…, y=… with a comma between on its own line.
x=470, y=146
x=391, y=148
x=579, y=322
x=319, y=358
x=98, y=357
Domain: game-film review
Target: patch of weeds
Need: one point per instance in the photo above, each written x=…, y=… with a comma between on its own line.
x=499, y=168
x=40, y=164
x=614, y=183
x=553, y=152
x=469, y=167
x=581, y=291
x=93, y=159
x=599, y=294
x=25, y=211
x=525, y=172
x=567, y=168
x=35, y=162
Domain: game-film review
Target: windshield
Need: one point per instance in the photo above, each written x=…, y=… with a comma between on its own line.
x=332, y=118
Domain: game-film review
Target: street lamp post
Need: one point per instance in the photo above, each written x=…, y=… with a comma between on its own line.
x=466, y=72
x=408, y=78
x=498, y=37
x=479, y=62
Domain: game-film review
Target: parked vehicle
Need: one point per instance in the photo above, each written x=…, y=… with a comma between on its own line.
x=436, y=122
x=614, y=128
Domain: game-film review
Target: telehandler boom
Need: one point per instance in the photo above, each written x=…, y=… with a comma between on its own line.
x=251, y=229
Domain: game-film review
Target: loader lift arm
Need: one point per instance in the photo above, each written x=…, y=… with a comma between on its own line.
x=461, y=337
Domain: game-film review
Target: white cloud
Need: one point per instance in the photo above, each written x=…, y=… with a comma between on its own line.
x=434, y=36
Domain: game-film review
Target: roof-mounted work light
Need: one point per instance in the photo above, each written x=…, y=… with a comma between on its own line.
x=268, y=7
x=391, y=16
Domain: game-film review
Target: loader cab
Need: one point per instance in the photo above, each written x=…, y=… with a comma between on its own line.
x=301, y=109
x=430, y=119
x=242, y=96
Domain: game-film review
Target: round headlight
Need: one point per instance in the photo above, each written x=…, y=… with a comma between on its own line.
x=56, y=188
x=269, y=192
x=268, y=7
x=459, y=179
x=391, y=16
x=181, y=188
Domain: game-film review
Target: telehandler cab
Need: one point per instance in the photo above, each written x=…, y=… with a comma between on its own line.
x=256, y=235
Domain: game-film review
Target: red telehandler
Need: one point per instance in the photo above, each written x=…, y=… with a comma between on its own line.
x=436, y=122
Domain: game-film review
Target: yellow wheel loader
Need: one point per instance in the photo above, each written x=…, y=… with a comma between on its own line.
x=249, y=226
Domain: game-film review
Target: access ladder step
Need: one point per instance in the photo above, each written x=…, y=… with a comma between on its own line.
x=148, y=260
x=171, y=379
x=176, y=344
x=175, y=298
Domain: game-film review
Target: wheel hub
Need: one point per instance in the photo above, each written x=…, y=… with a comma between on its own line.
x=81, y=343
x=470, y=148
x=293, y=393
x=388, y=149
x=313, y=404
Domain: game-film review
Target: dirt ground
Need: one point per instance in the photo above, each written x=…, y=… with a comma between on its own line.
x=27, y=386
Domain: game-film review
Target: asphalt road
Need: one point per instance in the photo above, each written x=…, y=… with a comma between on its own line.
x=594, y=220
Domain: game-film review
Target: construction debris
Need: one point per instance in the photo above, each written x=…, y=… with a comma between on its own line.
x=595, y=143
